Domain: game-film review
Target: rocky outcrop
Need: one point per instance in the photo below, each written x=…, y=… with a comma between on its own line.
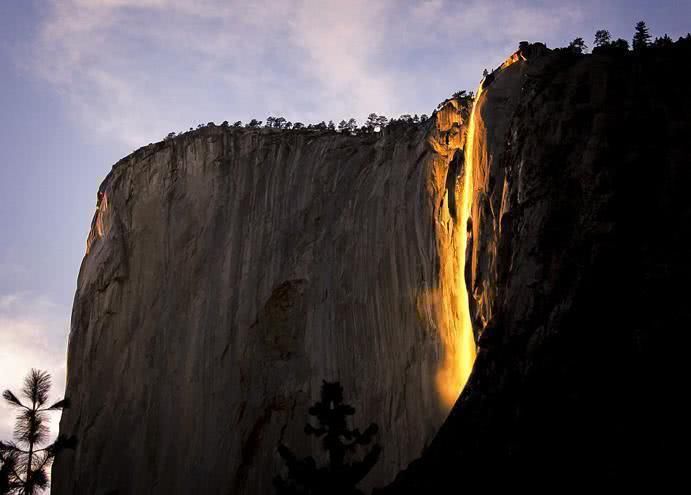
x=229, y=271
x=580, y=166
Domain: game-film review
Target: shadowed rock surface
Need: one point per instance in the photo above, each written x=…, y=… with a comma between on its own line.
x=578, y=279
x=229, y=271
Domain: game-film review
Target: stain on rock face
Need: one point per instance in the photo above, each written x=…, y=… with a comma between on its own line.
x=280, y=325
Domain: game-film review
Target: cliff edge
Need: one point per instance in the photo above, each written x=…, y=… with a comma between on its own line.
x=229, y=271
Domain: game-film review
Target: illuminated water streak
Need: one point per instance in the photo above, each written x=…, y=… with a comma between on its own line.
x=97, y=224
x=460, y=343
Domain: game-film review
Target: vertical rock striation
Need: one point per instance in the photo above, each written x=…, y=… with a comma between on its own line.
x=229, y=271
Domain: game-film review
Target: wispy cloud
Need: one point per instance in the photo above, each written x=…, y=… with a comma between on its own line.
x=137, y=69
x=342, y=42
x=33, y=334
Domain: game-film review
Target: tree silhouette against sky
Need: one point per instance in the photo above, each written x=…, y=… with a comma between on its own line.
x=25, y=462
x=602, y=38
x=641, y=39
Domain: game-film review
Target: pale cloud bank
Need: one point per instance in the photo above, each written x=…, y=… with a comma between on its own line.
x=138, y=69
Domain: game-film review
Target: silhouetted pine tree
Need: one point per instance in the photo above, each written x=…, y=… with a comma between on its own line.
x=25, y=460
x=641, y=40
x=338, y=477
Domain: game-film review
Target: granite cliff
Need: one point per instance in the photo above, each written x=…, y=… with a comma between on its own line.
x=229, y=271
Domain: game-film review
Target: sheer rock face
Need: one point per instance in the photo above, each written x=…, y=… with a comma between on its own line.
x=578, y=278
x=228, y=272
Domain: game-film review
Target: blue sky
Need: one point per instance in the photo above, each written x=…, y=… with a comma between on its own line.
x=84, y=82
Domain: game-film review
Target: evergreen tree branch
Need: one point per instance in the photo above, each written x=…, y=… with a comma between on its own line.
x=12, y=399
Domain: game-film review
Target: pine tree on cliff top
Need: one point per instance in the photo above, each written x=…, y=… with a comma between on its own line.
x=25, y=462
x=578, y=46
x=641, y=40
x=338, y=476
x=602, y=38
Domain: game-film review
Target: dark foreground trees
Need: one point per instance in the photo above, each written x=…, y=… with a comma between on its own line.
x=25, y=462
x=340, y=475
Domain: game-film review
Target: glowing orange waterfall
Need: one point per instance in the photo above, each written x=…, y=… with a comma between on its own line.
x=459, y=342
x=97, y=225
